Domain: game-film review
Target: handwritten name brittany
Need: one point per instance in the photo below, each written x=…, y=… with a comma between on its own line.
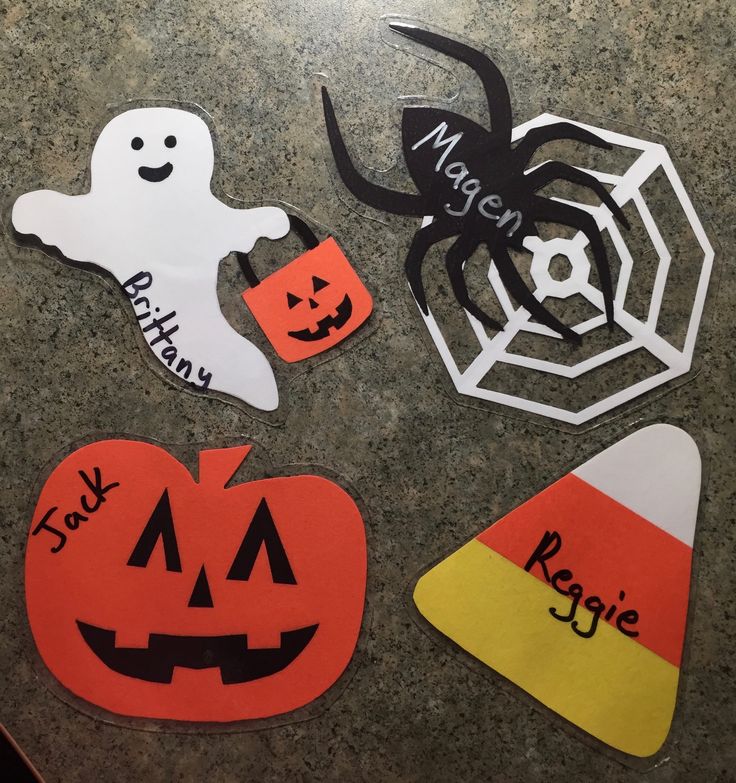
x=166, y=328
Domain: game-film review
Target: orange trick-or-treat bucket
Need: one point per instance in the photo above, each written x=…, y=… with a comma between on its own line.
x=312, y=303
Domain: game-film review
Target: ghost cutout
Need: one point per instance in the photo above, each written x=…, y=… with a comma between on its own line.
x=151, y=220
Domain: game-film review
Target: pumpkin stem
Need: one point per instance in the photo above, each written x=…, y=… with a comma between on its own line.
x=218, y=466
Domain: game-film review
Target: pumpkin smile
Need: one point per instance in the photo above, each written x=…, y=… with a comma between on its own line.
x=156, y=662
x=324, y=325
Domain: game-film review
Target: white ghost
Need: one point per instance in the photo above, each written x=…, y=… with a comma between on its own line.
x=151, y=220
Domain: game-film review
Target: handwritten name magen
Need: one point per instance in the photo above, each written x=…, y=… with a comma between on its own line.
x=458, y=171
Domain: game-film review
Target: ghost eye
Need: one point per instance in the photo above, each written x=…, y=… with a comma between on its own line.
x=136, y=143
x=159, y=526
x=170, y=141
x=292, y=300
x=262, y=533
x=319, y=284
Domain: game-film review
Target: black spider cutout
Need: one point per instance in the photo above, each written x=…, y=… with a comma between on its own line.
x=473, y=182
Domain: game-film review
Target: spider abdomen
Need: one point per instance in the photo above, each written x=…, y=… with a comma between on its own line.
x=454, y=164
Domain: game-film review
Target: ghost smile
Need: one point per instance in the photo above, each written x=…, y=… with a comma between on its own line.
x=236, y=661
x=155, y=174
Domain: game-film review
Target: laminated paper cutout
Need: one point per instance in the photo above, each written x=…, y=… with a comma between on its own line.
x=16, y=766
x=580, y=595
x=152, y=594
x=312, y=303
x=151, y=220
x=476, y=186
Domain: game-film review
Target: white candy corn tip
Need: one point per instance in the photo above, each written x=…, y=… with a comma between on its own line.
x=655, y=472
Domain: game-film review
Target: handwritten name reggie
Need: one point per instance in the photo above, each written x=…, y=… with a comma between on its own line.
x=73, y=518
x=169, y=353
x=549, y=546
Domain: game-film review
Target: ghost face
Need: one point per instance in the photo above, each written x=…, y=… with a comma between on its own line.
x=144, y=152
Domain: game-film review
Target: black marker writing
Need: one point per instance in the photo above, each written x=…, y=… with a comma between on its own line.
x=98, y=489
x=43, y=525
x=160, y=328
x=73, y=519
x=549, y=547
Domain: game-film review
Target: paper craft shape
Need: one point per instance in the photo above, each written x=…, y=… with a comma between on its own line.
x=309, y=305
x=151, y=220
x=152, y=594
x=501, y=350
x=16, y=766
x=475, y=186
x=580, y=595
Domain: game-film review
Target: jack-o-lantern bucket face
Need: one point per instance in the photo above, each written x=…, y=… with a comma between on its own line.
x=152, y=595
x=311, y=304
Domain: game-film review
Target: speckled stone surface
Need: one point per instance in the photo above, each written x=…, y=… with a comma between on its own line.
x=430, y=472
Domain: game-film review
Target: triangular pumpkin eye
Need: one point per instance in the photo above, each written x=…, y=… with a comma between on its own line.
x=292, y=300
x=319, y=284
x=262, y=533
x=160, y=525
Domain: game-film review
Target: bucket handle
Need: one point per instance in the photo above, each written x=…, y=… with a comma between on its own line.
x=299, y=227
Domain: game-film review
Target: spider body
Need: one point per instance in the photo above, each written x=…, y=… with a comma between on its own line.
x=474, y=183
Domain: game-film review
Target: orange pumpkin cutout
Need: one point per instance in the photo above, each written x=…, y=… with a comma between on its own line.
x=154, y=595
x=311, y=304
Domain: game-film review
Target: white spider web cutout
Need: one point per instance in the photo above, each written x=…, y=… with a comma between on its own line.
x=642, y=333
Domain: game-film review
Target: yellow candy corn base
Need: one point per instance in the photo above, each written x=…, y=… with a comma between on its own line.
x=609, y=685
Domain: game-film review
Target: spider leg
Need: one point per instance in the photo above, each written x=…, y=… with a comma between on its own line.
x=536, y=137
x=369, y=193
x=516, y=286
x=549, y=211
x=456, y=256
x=548, y=172
x=420, y=245
x=494, y=85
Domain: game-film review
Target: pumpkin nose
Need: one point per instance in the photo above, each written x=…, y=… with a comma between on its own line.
x=312, y=303
x=201, y=596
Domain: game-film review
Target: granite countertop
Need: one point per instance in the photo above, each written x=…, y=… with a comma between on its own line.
x=430, y=472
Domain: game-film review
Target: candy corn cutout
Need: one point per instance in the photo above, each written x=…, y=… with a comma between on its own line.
x=579, y=596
